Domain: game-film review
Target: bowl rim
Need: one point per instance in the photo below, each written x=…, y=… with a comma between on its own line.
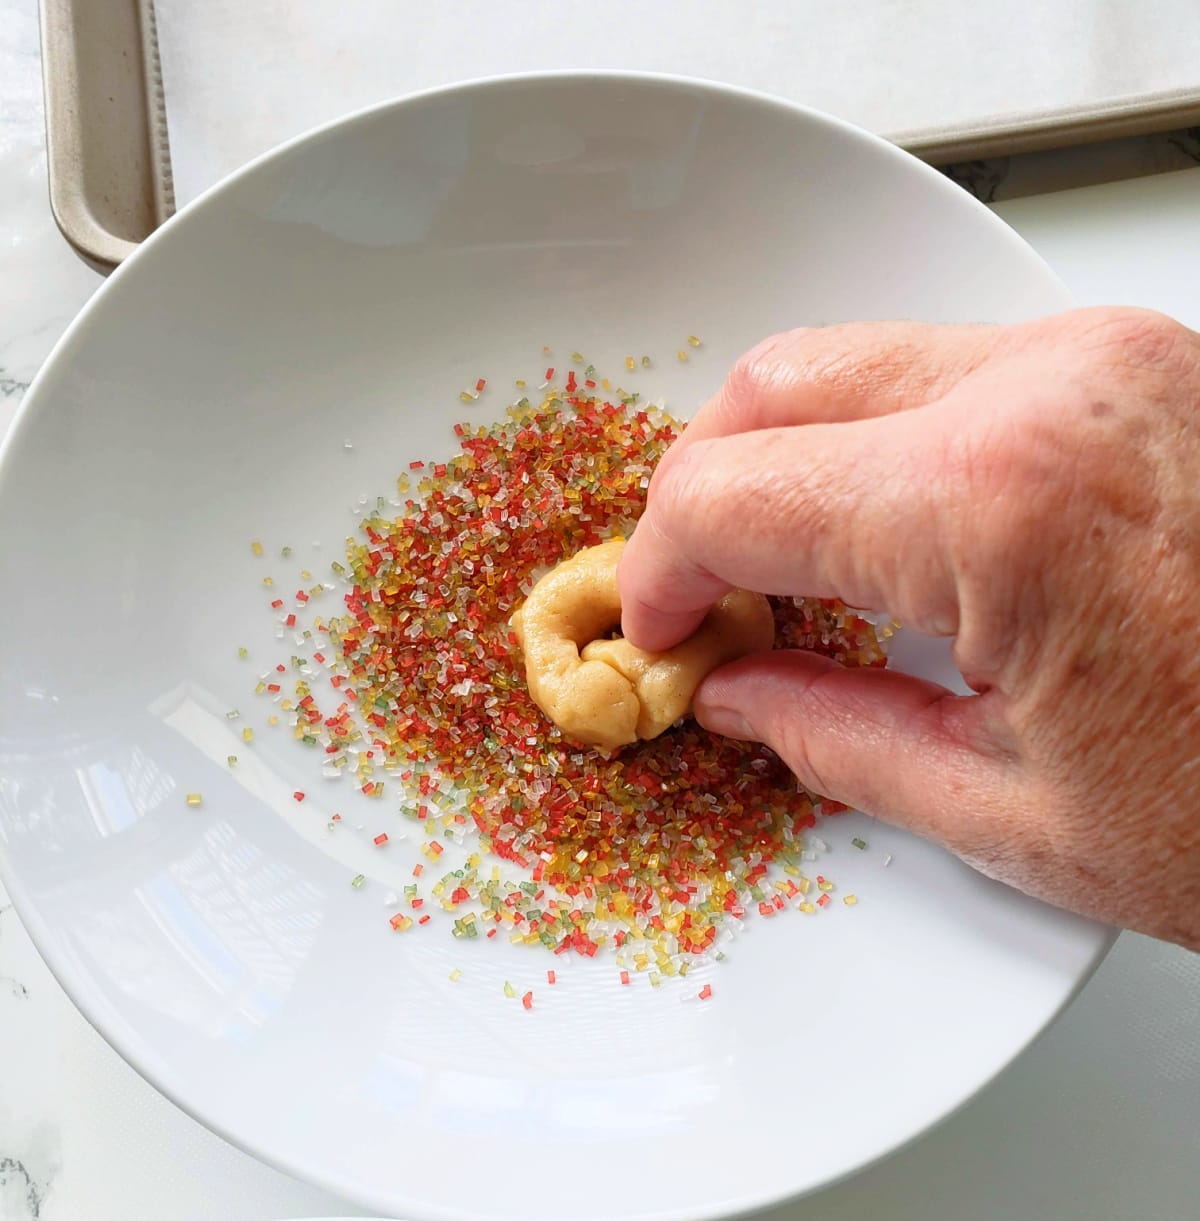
x=363, y=114
x=749, y=1202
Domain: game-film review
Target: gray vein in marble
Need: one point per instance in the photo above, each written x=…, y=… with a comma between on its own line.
x=18, y=1190
x=18, y=989
x=1059, y=169
x=15, y=986
x=980, y=178
x=10, y=387
x=23, y=1193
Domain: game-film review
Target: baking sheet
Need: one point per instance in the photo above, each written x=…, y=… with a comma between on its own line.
x=947, y=79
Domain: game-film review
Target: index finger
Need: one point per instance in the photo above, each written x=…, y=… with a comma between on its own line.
x=852, y=511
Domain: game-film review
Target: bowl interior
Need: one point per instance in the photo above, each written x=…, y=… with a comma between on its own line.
x=344, y=291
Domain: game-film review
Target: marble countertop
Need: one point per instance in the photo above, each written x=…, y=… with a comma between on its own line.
x=1101, y=1119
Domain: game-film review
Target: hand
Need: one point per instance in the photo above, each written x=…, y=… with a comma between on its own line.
x=1032, y=491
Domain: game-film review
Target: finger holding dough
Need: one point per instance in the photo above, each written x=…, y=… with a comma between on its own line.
x=741, y=623
x=608, y=693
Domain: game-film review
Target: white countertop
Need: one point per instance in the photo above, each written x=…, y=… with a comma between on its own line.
x=1100, y=1120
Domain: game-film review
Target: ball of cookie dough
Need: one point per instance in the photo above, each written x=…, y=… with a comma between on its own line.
x=604, y=691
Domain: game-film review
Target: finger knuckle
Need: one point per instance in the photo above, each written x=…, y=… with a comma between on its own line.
x=793, y=737
x=995, y=466
x=1129, y=336
x=760, y=374
x=975, y=467
x=1002, y=511
x=791, y=743
x=681, y=472
x=682, y=492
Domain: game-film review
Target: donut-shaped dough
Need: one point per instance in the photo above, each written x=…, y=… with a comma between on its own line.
x=605, y=692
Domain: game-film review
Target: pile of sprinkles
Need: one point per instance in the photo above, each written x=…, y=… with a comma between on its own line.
x=656, y=854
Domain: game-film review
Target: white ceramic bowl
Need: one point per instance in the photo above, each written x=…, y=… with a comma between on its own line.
x=346, y=288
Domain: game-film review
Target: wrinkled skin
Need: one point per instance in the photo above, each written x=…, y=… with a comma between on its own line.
x=1032, y=491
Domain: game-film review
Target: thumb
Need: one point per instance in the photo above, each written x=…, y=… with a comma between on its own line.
x=903, y=749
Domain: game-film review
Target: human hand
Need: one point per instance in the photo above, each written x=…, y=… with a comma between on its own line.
x=1032, y=491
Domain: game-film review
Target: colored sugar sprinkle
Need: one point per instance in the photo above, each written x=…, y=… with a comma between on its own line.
x=231, y=760
x=509, y=990
x=194, y=799
x=655, y=854
x=357, y=881
x=256, y=547
x=850, y=900
x=860, y=844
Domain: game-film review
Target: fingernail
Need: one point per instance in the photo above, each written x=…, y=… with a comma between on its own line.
x=727, y=721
